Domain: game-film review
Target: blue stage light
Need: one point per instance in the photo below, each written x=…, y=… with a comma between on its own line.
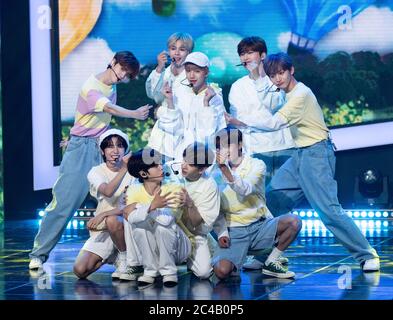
x=309, y=214
x=356, y=214
x=302, y=214
x=385, y=214
x=378, y=214
x=364, y=214
x=371, y=214
x=41, y=213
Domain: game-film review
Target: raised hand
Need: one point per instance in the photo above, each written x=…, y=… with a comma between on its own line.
x=142, y=112
x=162, y=59
x=209, y=94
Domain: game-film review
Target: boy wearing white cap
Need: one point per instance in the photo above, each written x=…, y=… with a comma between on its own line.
x=193, y=112
x=179, y=46
x=108, y=236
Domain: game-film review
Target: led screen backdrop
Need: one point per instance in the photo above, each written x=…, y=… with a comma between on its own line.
x=343, y=50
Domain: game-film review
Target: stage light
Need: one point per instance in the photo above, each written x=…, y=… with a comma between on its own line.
x=309, y=214
x=75, y=224
x=385, y=214
x=295, y=212
x=76, y=214
x=81, y=214
x=356, y=214
x=315, y=214
x=302, y=214
x=363, y=214
x=350, y=213
x=378, y=214
x=41, y=213
x=371, y=189
x=371, y=214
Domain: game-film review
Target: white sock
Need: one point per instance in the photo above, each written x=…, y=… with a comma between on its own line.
x=122, y=255
x=273, y=256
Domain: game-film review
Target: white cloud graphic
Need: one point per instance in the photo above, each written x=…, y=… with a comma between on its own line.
x=371, y=30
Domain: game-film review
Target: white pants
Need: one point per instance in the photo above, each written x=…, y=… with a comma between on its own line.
x=162, y=247
x=200, y=260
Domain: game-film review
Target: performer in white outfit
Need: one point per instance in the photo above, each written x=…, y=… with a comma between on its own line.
x=153, y=219
x=179, y=46
x=200, y=199
x=109, y=238
x=193, y=112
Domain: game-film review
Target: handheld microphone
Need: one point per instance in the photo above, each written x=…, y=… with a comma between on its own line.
x=241, y=64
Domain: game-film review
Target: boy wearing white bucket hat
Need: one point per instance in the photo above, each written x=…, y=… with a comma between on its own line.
x=109, y=237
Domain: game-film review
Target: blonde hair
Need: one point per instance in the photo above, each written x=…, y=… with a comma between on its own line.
x=184, y=37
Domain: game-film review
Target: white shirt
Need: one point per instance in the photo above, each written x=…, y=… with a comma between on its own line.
x=206, y=196
x=247, y=99
x=190, y=120
x=155, y=82
x=101, y=174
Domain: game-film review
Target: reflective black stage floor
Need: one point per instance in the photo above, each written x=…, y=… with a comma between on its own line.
x=324, y=271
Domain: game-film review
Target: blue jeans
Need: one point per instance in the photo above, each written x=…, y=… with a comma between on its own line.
x=69, y=191
x=273, y=161
x=310, y=174
x=256, y=236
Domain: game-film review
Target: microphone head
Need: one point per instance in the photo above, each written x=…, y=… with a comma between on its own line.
x=167, y=174
x=176, y=172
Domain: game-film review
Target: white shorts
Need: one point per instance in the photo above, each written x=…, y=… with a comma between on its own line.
x=101, y=244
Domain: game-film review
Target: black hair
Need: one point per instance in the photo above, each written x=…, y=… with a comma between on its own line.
x=227, y=136
x=107, y=142
x=198, y=155
x=253, y=44
x=128, y=61
x=143, y=160
x=274, y=63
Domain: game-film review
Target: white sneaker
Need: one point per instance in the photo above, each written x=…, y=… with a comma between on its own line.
x=145, y=281
x=371, y=265
x=170, y=280
x=121, y=268
x=35, y=263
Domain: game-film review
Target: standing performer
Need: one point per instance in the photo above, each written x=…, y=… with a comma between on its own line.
x=309, y=173
x=95, y=107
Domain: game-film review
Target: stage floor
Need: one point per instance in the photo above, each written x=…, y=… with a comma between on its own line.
x=324, y=271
